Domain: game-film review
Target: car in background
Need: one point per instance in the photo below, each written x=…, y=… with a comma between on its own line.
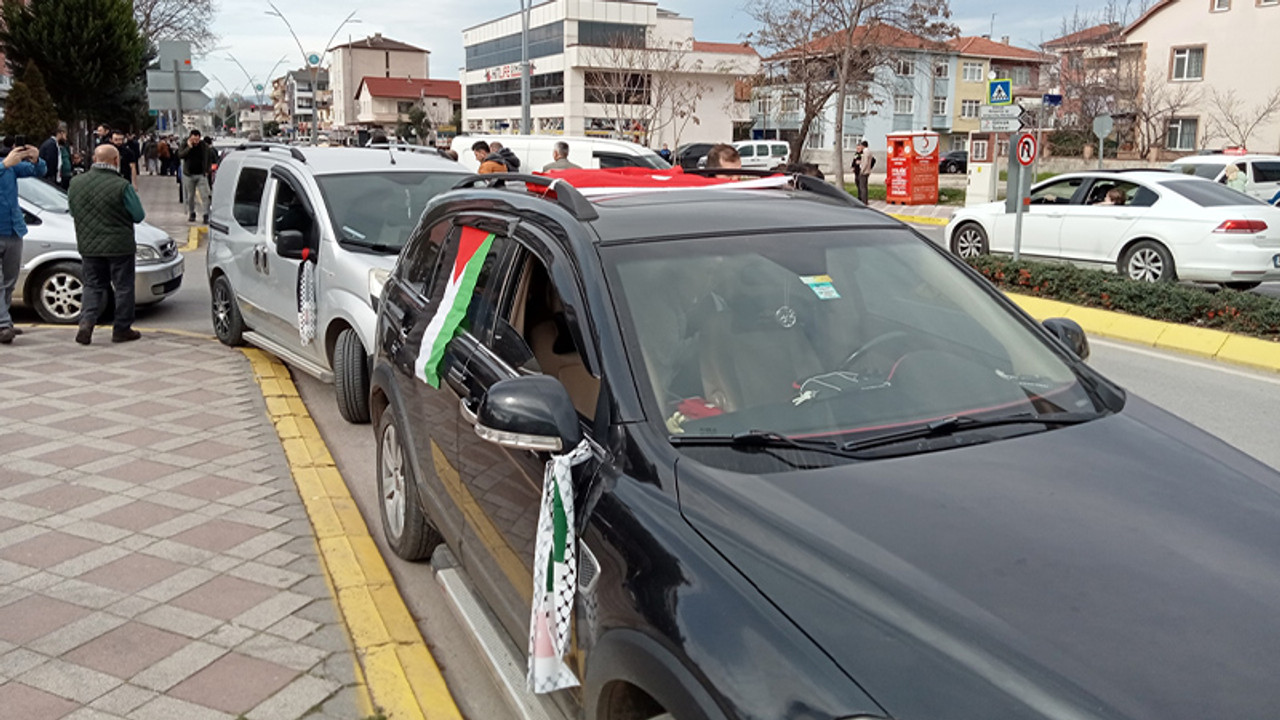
x=51, y=281
x=763, y=154
x=955, y=161
x=348, y=212
x=1261, y=172
x=1169, y=227
x=689, y=155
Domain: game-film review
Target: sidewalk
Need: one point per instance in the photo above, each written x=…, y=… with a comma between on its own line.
x=159, y=195
x=921, y=214
x=156, y=561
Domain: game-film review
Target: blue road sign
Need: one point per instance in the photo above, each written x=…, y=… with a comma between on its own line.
x=1052, y=100
x=1000, y=92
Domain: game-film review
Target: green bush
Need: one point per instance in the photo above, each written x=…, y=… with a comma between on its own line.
x=1229, y=310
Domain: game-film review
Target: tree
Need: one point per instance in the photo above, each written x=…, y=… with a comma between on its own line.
x=270, y=128
x=91, y=52
x=419, y=123
x=29, y=110
x=176, y=20
x=801, y=64
x=1231, y=120
x=1160, y=102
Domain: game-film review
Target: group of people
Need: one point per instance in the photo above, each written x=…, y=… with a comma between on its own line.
x=494, y=157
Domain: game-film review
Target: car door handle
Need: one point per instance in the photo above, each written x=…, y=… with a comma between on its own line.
x=1053, y=214
x=257, y=258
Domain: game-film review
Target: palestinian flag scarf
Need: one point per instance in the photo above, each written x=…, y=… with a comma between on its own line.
x=473, y=248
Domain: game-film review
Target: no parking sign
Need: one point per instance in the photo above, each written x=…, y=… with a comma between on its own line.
x=1026, y=149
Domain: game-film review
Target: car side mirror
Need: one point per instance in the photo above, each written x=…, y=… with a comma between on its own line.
x=291, y=244
x=531, y=412
x=1071, y=335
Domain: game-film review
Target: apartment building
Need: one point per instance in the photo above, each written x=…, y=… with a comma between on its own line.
x=373, y=56
x=980, y=59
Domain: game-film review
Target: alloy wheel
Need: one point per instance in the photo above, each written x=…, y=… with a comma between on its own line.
x=221, y=310
x=1146, y=265
x=969, y=243
x=63, y=294
x=391, y=483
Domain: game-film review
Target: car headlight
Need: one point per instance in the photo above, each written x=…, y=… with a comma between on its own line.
x=377, y=281
x=146, y=255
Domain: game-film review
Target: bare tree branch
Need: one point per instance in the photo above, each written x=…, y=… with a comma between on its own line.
x=189, y=20
x=1234, y=122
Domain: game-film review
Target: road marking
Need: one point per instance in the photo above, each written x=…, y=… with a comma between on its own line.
x=401, y=677
x=1171, y=357
x=195, y=235
x=920, y=219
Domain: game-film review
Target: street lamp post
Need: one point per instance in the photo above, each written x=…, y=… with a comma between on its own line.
x=254, y=85
x=526, y=119
x=313, y=66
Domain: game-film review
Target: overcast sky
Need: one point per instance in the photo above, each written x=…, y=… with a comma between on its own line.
x=259, y=41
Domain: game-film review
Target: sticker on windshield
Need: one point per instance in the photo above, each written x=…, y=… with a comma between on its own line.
x=821, y=286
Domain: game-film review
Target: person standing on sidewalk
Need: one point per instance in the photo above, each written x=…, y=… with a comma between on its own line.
x=196, y=163
x=105, y=208
x=128, y=156
x=17, y=164
x=863, y=162
x=51, y=154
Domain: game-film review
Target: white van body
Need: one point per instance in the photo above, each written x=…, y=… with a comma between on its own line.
x=763, y=154
x=534, y=151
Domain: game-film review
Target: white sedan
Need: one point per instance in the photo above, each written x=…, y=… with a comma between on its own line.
x=1149, y=225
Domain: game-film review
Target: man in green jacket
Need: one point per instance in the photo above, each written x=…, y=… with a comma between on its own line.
x=105, y=208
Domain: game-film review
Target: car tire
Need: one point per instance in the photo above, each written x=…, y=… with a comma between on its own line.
x=56, y=293
x=404, y=524
x=951, y=168
x=1148, y=261
x=228, y=323
x=1241, y=286
x=969, y=241
x=351, y=377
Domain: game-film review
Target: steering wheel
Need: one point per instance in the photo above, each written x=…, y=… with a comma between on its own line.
x=871, y=344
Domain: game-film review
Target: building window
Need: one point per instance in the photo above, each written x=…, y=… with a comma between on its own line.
x=855, y=105
x=475, y=126
x=764, y=105
x=1002, y=147
x=603, y=34
x=904, y=104
x=906, y=67
x=543, y=41
x=939, y=106
x=1020, y=75
x=957, y=142
x=972, y=72
x=544, y=89
x=615, y=88
x=1187, y=64
x=816, y=140
x=1182, y=134
x=969, y=108
x=404, y=106
x=979, y=152
x=1220, y=5
x=851, y=141
x=790, y=104
x=942, y=69
x=1262, y=3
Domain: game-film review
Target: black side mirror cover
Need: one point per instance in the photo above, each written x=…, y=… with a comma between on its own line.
x=1071, y=334
x=536, y=406
x=291, y=244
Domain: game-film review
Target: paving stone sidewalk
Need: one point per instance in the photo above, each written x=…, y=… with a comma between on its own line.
x=156, y=562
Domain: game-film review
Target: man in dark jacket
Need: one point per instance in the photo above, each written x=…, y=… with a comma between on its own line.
x=504, y=155
x=51, y=154
x=105, y=208
x=17, y=164
x=197, y=163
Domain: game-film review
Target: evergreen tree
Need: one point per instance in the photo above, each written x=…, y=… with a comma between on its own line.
x=29, y=110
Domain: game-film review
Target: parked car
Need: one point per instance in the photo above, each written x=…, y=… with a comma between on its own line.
x=955, y=161
x=347, y=210
x=534, y=151
x=689, y=155
x=1261, y=172
x=1169, y=227
x=763, y=154
x=51, y=281
x=831, y=471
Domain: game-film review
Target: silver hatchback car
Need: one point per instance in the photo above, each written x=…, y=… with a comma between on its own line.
x=51, y=282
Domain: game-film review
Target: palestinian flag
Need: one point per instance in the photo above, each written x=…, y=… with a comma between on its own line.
x=472, y=251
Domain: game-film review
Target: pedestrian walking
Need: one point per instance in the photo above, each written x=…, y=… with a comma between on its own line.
x=196, y=164
x=52, y=155
x=560, y=158
x=151, y=152
x=101, y=135
x=505, y=156
x=17, y=164
x=489, y=162
x=863, y=162
x=128, y=156
x=105, y=208
x=163, y=152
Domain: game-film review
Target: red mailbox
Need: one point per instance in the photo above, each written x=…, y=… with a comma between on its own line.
x=912, y=168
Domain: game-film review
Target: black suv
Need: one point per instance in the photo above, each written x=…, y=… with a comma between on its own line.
x=833, y=473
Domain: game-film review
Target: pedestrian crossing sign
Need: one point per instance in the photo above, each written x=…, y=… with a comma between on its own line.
x=1000, y=92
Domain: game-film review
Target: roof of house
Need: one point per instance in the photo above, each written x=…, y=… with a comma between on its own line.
x=377, y=42
x=410, y=88
x=886, y=35
x=719, y=47
x=986, y=47
x=1088, y=36
x=1147, y=15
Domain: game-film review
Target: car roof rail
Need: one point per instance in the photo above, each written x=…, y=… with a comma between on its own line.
x=566, y=195
x=268, y=147
x=800, y=182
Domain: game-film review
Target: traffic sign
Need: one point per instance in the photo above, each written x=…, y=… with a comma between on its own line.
x=313, y=59
x=1026, y=149
x=999, y=112
x=1052, y=99
x=1000, y=92
x=999, y=125
x=1102, y=125
x=167, y=100
x=258, y=87
x=162, y=80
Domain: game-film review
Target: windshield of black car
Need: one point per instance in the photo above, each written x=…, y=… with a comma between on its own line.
x=379, y=210
x=835, y=334
x=1208, y=194
x=43, y=195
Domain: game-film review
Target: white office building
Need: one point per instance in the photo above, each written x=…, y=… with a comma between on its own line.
x=610, y=68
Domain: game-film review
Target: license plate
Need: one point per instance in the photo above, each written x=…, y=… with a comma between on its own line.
x=1275, y=261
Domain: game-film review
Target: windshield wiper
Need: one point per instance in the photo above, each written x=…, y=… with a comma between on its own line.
x=960, y=423
x=760, y=439
x=347, y=236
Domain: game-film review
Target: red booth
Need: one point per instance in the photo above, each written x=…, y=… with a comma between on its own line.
x=912, y=174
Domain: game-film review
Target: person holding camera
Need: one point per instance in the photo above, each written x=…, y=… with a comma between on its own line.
x=22, y=161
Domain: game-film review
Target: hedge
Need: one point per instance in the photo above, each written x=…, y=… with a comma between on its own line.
x=1239, y=312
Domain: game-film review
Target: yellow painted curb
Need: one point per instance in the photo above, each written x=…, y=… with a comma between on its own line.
x=196, y=235
x=1224, y=346
x=394, y=669
x=919, y=219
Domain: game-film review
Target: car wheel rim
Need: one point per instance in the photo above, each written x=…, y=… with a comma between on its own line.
x=1146, y=265
x=62, y=294
x=969, y=244
x=221, y=310
x=392, y=481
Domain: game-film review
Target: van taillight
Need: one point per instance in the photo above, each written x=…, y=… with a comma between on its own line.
x=1241, y=226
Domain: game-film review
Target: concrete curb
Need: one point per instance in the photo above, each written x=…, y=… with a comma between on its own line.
x=195, y=238
x=1224, y=346
x=400, y=677
x=919, y=219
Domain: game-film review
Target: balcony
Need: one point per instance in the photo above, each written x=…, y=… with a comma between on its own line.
x=941, y=123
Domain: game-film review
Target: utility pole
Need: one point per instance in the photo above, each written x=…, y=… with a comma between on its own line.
x=526, y=119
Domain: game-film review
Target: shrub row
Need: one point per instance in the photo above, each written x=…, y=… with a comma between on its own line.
x=1229, y=310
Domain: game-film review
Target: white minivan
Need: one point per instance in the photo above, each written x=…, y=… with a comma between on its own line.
x=1261, y=172
x=534, y=151
x=763, y=154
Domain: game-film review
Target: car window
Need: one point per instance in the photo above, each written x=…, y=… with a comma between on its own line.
x=781, y=151
x=291, y=213
x=419, y=260
x=1266, y=170
x=246, y=206
x=1132, y=194
x=747, y=151
x=1207, y=194
x=1208, y=171
x=43, y=195
x=378, y=210
x=481, y=311
x=1057, y=193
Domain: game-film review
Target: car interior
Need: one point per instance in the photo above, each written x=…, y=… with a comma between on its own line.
x=291, y=213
